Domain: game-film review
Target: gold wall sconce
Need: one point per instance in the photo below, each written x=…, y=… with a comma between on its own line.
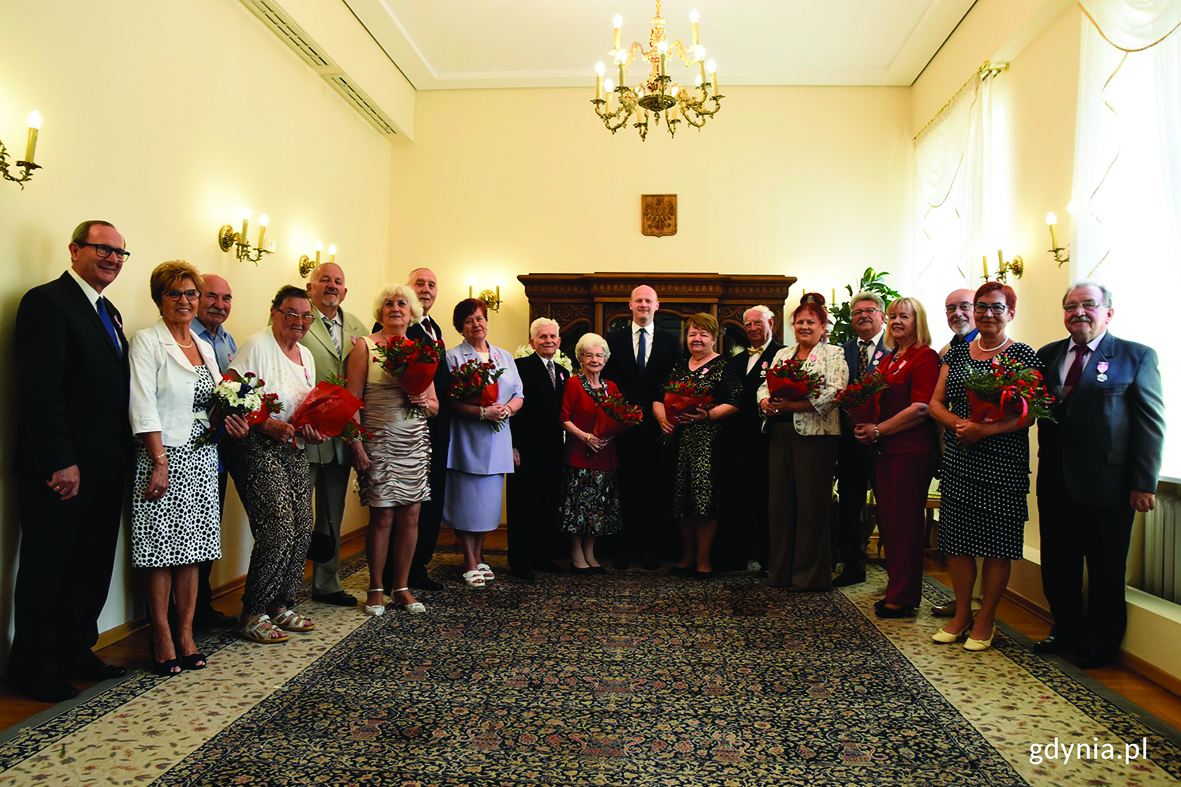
x=1015, y=266
x=490, y=298
x=1061, y=254
x=27, y=166
x=307, y=264
x=228, y=239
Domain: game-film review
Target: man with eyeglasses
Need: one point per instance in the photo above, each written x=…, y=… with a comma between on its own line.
x=863, y=354
x=1098, y=465
x=73, y=448
x=330, y=338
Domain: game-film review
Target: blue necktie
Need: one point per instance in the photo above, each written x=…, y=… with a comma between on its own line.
x=106, y=318
x=642, y=353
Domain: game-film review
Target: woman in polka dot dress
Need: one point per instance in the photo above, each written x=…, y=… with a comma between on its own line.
x=984, y=479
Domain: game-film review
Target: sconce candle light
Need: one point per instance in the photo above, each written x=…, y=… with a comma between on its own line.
x=228, y=239
x=308, y=264
x=1016, y=266
x=26, y=164
x=490, y=298
x=1061, y=254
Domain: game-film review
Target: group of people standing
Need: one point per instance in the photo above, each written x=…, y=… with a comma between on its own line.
x=436, y=460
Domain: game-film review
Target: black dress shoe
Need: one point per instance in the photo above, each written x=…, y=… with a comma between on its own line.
x=650, y=564
x=214, y=619
x=583, y=570
x=622, y=563
x=703, y=575
x=337, y=599
x=1055, y=643
x=423, y=582
x=91, y=667
x=879, y=604
x=889, y=612
x=597, y=569
x=549, y=567
x=847, y=578
x=523, y=574
x=681, y=571
x=1093, y=658
x=46, y=689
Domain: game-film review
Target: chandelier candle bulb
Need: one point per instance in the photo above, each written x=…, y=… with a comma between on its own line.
x=319, y=248
x=610, y=89
x=34, y=128
x=693, y=17
x=245, y=223
x=599, y=69
x=712, y=68
x=984, y=262
x=262, y=228
x=618, y=22
x=1072, y=207
x=1052, y=220
x=332, y=253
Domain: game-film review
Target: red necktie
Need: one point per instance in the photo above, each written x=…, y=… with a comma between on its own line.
x=1075, y=371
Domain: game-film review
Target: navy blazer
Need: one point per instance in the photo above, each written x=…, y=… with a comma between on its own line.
x=537, y=432
x=852, y=349
x=1110, y=434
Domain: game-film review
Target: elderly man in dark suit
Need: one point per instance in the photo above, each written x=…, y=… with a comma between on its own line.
x=74, y=447
x=534, y=488
x=1097, y=466
x=863, y=354
x=426, y=287
x=742, y=533
x=641, y=358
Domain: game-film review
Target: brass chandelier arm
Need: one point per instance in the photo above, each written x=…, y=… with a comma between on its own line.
x=27, y=166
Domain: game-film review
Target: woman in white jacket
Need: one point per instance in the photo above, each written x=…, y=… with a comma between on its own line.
x=175, y=520
x=803, y=456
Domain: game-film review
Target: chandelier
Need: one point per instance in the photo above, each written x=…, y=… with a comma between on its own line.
x=657, y=95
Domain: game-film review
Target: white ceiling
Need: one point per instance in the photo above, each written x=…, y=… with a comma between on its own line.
x=442, y=44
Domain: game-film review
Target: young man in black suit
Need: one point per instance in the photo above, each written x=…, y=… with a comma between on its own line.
x=1097, y=466
x=641, y=358
x=743, y=531
x=74, y=446
x=534, y=488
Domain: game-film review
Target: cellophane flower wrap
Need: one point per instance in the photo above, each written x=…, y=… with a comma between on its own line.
x=792, y=380
x=242, y=396
x=684, y=395
x=614, y=414
x=860, y=398
x=413, y=362
x=328, y=408
x=1006, y=389
x=475, y=382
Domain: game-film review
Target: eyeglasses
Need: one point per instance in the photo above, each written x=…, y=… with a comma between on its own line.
x=102, y=251
x=864, y=312
x=293, y=318
x=176, y=295
x=965, y=306
x=595, y=356
x=1090, y=306
x=997, y=308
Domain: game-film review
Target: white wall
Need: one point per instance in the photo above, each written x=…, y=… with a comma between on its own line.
x=166, y=119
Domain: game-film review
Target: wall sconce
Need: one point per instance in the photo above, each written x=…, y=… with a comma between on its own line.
x=30, y=148
x=491, y=299
x=1016, y=266
x=307, y=265
x=1061, y=254
x=228, y=239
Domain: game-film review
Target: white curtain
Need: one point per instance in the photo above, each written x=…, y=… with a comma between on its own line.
x=952, y=191
x=1127, y=174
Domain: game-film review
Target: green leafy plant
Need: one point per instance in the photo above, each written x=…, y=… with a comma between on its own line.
x=841, y=330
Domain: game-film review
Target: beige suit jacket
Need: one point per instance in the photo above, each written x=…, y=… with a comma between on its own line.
x=329, y=361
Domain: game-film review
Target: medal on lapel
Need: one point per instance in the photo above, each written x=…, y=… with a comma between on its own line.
x=1102, y=368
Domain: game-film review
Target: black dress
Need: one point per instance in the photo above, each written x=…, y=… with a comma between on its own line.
x=984, y=485
x=699, y=454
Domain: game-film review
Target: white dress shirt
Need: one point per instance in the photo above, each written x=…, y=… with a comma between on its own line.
x=649, y=328
x=1068, y=361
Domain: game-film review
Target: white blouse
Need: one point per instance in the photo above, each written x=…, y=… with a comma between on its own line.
x=828, y=360
x=262, y=355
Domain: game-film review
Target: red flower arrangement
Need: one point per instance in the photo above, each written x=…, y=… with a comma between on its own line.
x=328, y=408
x=413, y=362
x=684, y=395
x=1007, y=389
x=353, y=432
x=790, y=379
x=860, y=399
x=475, y=382
x=614, y=415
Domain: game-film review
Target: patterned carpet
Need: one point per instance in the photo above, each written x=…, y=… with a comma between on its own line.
x=623, y=679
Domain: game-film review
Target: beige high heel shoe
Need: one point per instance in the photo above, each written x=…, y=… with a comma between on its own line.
x=977, y=645
x=948, y=637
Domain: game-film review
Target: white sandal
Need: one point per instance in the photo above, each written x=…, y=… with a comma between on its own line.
x=260, y=629
x=487, y=569
x=378, y=609
x=474, y=578
x=290, y=620
x=416, y=607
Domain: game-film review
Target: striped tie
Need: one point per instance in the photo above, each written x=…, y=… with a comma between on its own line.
x=331, y=333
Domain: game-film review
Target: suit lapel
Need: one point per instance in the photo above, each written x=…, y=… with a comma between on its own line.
x=91, y=314
x=320, y=333
x=1104, y=352
x=1053, y=361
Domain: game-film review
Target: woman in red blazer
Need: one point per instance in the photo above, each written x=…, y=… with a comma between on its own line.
x=907, y=453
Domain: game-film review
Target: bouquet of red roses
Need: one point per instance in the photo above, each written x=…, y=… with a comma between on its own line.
x=353, y=432
x=328, y=408
x=475, y=382
x=790, y=379
x=241, y=396
x=685, y=395
x=413, y=362
x=614, y=415
x=860, y=399
x=1006, y=389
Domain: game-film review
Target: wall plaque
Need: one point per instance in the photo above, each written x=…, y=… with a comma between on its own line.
x=658, y=214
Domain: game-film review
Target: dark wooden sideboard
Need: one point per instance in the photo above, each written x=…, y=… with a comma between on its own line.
x=597, y=302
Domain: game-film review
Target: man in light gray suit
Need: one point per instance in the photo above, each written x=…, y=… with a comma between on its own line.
x=330, y=338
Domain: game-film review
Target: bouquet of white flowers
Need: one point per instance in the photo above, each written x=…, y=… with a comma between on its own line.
x=239, y=396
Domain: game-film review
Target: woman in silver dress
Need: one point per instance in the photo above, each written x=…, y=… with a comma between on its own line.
x=394, y=468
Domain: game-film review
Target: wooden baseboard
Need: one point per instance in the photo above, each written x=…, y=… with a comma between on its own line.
x=1029, y=606
x=125, y=630
x=1150, y=671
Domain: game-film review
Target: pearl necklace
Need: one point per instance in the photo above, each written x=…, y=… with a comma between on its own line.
x=980, y=344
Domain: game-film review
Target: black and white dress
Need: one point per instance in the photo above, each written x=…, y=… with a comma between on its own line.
x=184, y=526
x=984, y=485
